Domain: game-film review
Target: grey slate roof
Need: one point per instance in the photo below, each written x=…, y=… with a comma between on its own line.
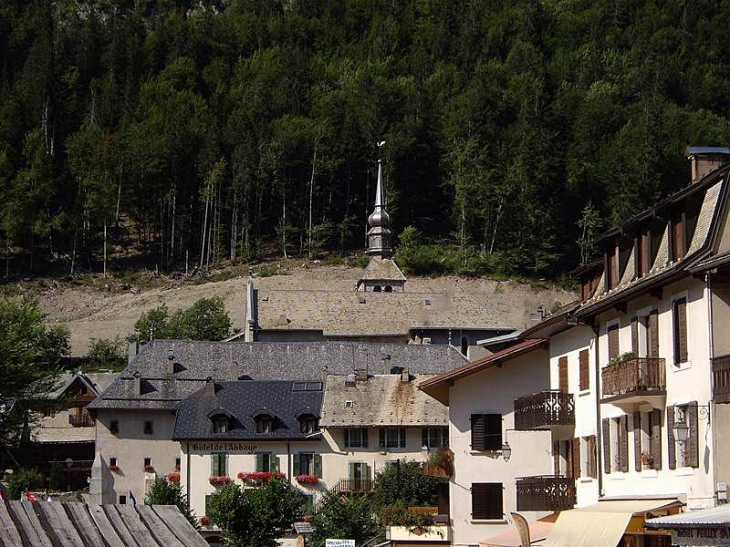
x=46, y=524
x=382, y=269
x=384, y=400
x=241, y=401
x=96, y=382
x=224, y=361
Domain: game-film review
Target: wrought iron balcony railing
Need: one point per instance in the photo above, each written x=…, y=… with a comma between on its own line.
x=545, y=493
x=638, y=375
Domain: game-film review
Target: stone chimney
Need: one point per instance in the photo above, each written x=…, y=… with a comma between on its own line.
x=209, y=390
x=170, y=367
x=132, y=350
x=405, y=375
x=706, y=159
x=137, y=382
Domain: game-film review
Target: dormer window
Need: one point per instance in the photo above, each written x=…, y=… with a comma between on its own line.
x=307, y=423
x=220, y=424
x=264, y=423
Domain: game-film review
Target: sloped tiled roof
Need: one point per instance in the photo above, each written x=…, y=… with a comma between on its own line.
x=79, y=525
x=241, y=401
x=227, y=361
x=384, y=400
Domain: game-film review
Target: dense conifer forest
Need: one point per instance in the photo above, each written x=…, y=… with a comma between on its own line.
x=239, y=129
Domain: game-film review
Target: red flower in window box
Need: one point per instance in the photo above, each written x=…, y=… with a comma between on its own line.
x=114, y=468
x=205, y=521
x=256, y=476
x=149, y=468
x=307, y=479
x=219, y=479
x=173, y=477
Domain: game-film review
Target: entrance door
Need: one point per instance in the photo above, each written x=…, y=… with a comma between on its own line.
x=359, y=476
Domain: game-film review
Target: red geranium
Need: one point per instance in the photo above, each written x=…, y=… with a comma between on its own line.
x=173, y=477
x=260, y=475
x=205, y=521
x=219, y=479
x=149, y=469
x=307, y=479
x=113, y=468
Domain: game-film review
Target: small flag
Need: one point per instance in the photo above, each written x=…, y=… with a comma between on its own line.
x=31, y=497
x=132, y=498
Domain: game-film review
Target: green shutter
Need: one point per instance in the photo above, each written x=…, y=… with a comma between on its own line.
x=259, y=462
x=382, y=437
x=296, y=465
x=318, y=465
x=207, y=503
x=224, y=464
x=347, y=438
x=351, y=470
x=273, y=463
x=214, y=464
x=402, y=437
x=366, y=472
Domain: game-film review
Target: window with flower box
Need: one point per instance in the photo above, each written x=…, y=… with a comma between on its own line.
x=218, y=464
x=267, y=462
x=308, y=463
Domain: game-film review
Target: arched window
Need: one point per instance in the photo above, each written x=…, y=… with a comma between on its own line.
x=307, y=423
x=264, y=423
x=376, y=288
x=388, y=288
x=464, y=345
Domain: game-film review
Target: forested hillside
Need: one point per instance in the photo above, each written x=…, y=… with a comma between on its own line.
x=224, y=129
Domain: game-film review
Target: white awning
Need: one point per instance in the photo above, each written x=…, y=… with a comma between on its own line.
x=599, y=525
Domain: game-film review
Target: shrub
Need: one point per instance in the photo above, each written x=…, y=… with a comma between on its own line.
x=108, y=353
x=24, y=479
x=163, y=492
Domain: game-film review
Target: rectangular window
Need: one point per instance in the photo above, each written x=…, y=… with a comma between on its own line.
x=679, y=312
x=486, y=500
x=486, y=431
x=308, y=463
x=615, y=444
x=219, y=464
x=584, y=370
x=686, y=454
x=435, y=437
x=590, y=457
x=148, y=428
x=122, y=500
x=177, y=464
x=267, y=462
x=112, y=462
x=563, y=374
x=356, y=438
x=114, y=426
x=613, y=347
x=393, y=437
x=147, y=461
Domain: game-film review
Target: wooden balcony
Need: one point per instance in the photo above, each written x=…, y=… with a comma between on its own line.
x=544, y=410
x=545, y=493
x=634, y=379
x=81, y=421
x=353, y=486
x=721, y=379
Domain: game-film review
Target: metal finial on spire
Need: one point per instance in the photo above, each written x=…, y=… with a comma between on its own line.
x=379, y=221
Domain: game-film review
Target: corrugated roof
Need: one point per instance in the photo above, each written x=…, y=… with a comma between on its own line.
x=715, y=516
x=223, y=361
x=47, y=524
x=383, y=400
x=241, y=401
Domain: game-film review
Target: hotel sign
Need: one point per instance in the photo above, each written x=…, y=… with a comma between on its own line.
x=224, y=447
x=701, y=536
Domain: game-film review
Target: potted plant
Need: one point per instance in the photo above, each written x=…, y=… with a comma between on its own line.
x=173, y=477
x=219, y=479
x=149, y=469
x=623, y=358
x=307, y=479
x=205, y=521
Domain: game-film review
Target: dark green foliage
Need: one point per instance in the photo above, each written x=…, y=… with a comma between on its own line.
x=399, y=515
x=206, y=319
x=405, y=483
x=24, y=479
x=163, y=492
x=347, y=517
x=30, y=353
x=107, y=353
x=239, y=130
x=255, y=517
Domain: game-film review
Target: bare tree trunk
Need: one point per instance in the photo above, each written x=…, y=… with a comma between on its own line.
x=496, y=224
x=73, y=253
x=283, y=227
x=311, y=195
x=205, y=223
x=105, y=248
x=172, y=228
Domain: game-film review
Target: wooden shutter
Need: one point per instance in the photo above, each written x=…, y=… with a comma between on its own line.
x=493, y=436
x=612, y=341
x=623, y=443
x=678, y=243
x=680, y=331
x=652, y=332
x=655, y=428
x=576, y=458
x=671, y=446
x=637, y=441
x=692, y=446
x=402, y=437
x=297, y=465
x=606, y=426
x=486, y=500
x=478, y=431
x=635, y=335
x=317, y=465
x=591, y=456
x=584, y=369
x=563, y=374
